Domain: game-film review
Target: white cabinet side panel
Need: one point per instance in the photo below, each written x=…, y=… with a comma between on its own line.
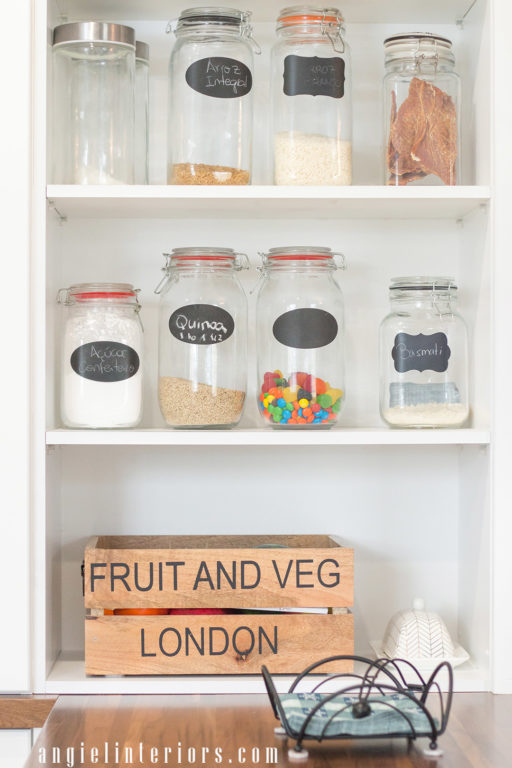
x=15, y=748
x=502, y=453
x=15, y=86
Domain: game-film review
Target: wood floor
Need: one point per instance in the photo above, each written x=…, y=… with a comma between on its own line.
x=479, y=733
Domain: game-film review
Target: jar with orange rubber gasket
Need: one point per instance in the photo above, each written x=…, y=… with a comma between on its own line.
x=312, y=103
x=300, y=338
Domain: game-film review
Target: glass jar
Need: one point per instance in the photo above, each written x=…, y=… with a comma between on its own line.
x=421, y=111
x=211, y=98
x=300, y=338
x=202, y=338
x=312, y=102
x=93, y=114
x=102, y=356
x=141, y=172
x=423, y=355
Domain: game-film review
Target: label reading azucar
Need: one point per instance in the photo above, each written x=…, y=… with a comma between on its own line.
x=201, y=324
x=421, y=352
x=105, y=361
x=219, y=77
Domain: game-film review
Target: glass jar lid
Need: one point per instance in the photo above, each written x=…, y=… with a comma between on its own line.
x=111, y=293
x=141, y=51
x=213, y=15
x=422, y=283
x=93, y=32
x=306, y=15
x=418, y=45
x=202, y=258
x=292, y=256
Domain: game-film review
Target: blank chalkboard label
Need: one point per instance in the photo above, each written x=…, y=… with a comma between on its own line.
x=219, y=77
x=420, y=352
x=314, y=76
x=105, y=361
x=306, y=328
x=201, y=324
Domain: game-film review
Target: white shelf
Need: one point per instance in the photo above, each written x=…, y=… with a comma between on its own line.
x=68, y=677
x=376, y=11
x=264, y=202
x=268, y=437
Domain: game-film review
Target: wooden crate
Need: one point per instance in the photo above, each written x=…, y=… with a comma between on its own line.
x=221, y=572
x=193, y=645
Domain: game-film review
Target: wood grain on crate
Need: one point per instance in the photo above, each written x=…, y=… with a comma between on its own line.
x=236, y=644
x=217, y=571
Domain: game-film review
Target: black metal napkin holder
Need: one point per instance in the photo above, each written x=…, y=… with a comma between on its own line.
x=378, y=681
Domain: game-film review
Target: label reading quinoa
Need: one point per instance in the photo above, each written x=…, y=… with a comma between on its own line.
x=105, y=361
x=420, y=352
x=201, y=324
x=219, y=77
x=314, y=76
x=307, y=328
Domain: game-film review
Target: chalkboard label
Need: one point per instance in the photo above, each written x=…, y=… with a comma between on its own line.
x=201, y=324
x=314, y=76
x=105, y=361
x=219, y=77
x=306, y=328
x=420, y=352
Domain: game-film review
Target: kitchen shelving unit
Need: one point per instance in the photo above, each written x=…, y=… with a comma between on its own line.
x=425, y=511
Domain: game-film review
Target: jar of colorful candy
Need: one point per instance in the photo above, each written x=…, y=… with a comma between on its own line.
x=300, y=338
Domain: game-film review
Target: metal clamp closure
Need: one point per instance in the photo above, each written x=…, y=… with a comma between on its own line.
x=326, y=28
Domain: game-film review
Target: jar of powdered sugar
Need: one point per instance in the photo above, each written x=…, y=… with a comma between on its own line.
x=312, y=102
x=424, y=355
x=102, y=352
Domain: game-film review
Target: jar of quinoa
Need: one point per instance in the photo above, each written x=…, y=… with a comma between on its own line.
x=202, y=338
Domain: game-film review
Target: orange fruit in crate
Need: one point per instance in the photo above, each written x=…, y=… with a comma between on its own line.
x=141, y=611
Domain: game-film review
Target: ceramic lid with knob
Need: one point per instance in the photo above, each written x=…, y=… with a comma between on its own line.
x=417, y=634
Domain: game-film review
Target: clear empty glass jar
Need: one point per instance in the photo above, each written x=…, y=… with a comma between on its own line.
x=300, y=338
x=202, y=338
x=211, y=98
x=141, y=171
x=102, y=356
x=421, y=111
x=312, y=103
x=94, y=111
x=424, y=355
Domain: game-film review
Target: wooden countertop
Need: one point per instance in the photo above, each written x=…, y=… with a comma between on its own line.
x=479, y=733
x=25, y=711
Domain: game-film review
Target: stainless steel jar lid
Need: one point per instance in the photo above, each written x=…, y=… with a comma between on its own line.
x=93, y=32
x=141, y=51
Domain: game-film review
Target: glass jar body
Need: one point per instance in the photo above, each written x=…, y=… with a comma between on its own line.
x=94, y=114
x=312, y=109
x=424, y=364
x=210, y=109
x=101, y=365
x=202, y=348
x=300, y=385
x=141, y=169
x=421, y=121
